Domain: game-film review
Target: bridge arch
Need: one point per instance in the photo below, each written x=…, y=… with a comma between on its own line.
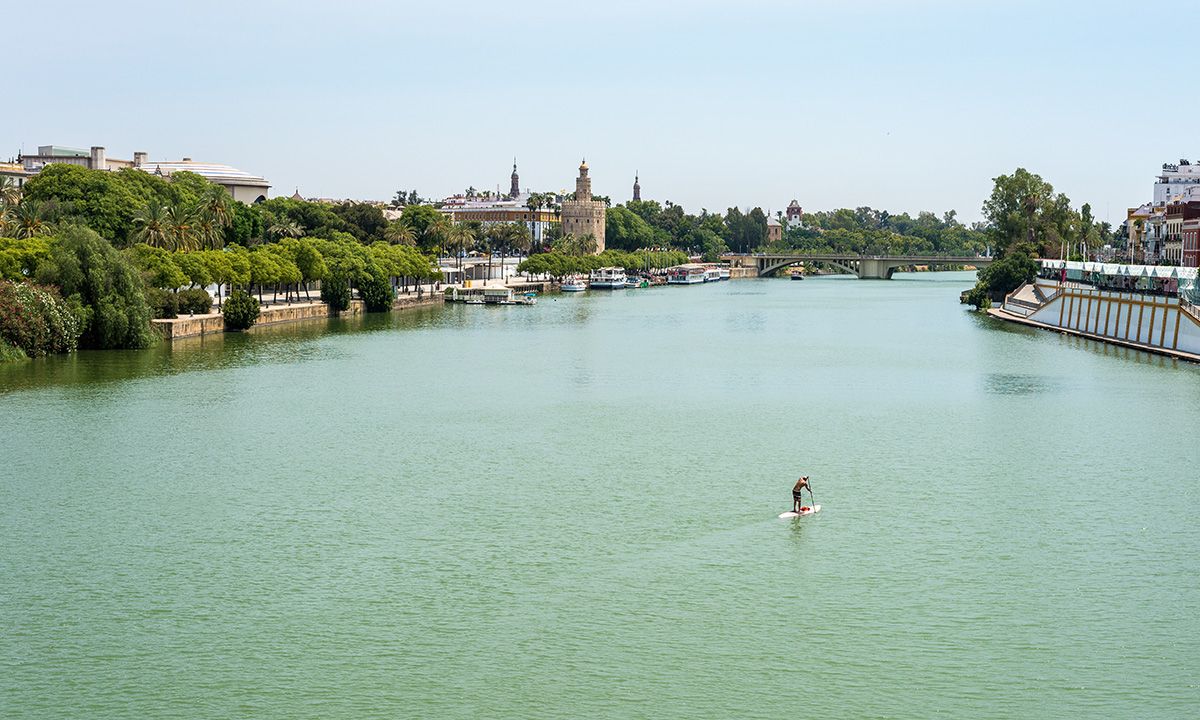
x=771, y=267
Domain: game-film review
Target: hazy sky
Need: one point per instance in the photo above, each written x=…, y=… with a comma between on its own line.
x=903, y=105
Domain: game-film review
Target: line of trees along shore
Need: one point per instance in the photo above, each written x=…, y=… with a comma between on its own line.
x=88, y=257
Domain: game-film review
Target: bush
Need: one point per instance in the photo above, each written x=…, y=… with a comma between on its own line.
x=978, y=296
x=8, y=353
x=377, y=293
x=240, y=310
x=196, y=301
x=100, y=279
x=335, y=290
x=37, y=321
x=164, y=304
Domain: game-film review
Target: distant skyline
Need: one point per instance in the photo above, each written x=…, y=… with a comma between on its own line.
x=903, y=106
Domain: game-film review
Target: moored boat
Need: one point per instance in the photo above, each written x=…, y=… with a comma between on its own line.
x=635, y=281
x=690, y=274
x=574, y=284
x=607, y=278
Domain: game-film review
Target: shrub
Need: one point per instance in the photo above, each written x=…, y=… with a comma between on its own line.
x=377, y=293
x=8, y=353
x=164, y=304
x=978, y=296
x=105, y=284
x=196, y=301
x=37, y=321
x=335, y=290
x=240, y=310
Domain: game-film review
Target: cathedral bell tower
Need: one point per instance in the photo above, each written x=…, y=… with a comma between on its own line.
x=637, y=189
x=515, y=189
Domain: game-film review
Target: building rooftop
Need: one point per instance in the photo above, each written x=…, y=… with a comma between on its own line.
x=215, y=172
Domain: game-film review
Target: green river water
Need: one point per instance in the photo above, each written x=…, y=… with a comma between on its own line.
x=569, y=511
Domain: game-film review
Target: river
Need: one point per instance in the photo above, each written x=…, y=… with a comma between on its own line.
x=569, y=510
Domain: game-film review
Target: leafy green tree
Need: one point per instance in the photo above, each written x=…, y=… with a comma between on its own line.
x=246, y=226
x=377, y=292
x=420, y=218
x=20, y=258
x=88, y=270
x=335, y=289
x=157, y=266
x=1023, y=208
x=626, y=230
x=240, y=311
x=364, y=221
x=264, y=269
x=308, y=260
x=197, y=267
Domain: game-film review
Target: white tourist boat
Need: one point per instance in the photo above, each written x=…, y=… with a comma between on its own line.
x=607, y=278
x=724, y=272
x=712, y=274
x=574, y=284
x=636, y=281
x=690, y=274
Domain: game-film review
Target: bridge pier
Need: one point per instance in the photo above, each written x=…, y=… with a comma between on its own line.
x=875, y=269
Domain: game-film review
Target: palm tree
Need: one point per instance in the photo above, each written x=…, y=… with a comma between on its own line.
x=30, y=220
x=181, y=228
x=535, y=202
x=209, y=232
x=152, y=227
x=462, y=237
x=285, y=228
x=437, y=231
x=397, y=233
x=10, y=192
x=218, y=206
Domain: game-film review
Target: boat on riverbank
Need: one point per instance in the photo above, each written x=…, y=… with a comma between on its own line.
x=607, y=278
x=573, y=284
x=635, y=281
x=690, y=274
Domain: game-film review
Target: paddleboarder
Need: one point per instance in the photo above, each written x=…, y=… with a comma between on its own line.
x=798, y=493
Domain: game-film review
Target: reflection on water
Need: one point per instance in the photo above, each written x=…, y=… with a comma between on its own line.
x=1018, y=384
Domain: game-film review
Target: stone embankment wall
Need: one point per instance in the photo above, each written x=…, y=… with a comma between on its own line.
x=198, y=325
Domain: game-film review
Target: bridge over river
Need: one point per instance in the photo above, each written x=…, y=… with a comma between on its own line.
x=866, y=267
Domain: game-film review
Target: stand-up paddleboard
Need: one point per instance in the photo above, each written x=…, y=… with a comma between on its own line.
x=804, y=510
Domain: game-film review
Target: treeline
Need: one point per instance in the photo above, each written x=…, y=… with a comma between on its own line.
x=863, y=230
x=1024, y=219
x=867, y=231
x=557, y=264
x=114, y=249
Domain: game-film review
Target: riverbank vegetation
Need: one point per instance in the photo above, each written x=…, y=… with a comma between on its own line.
x=118, y=248
x=1024, y=218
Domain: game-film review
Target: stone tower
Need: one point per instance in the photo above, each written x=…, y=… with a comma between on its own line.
x=637, y=189
x=583, y=215
x=515, y=188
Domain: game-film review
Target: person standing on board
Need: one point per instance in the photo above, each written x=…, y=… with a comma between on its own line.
x=798, y=493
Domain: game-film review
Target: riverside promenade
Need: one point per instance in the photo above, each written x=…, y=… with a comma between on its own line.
x=277, y=313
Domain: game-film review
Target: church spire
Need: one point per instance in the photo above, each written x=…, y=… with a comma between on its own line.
x=637, y=188
x=515, y=189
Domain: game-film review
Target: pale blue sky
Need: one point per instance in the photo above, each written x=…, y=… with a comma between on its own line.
x=903, y=105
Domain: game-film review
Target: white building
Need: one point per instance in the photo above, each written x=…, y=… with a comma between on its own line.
x=1176, y=180
x=241, y=185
